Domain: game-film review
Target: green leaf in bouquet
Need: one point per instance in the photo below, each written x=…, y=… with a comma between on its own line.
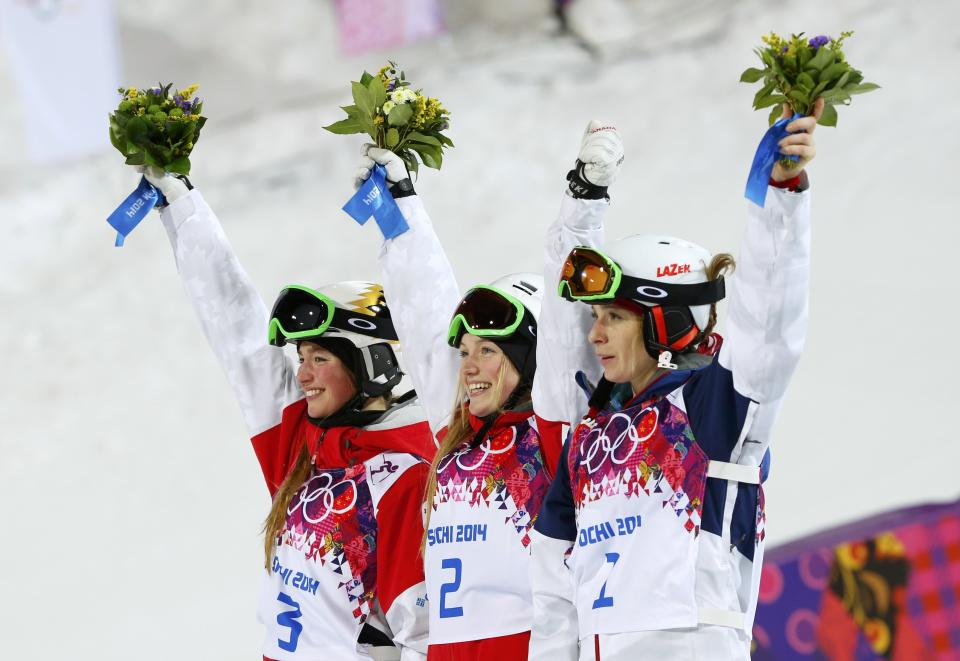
x=377, y=91
x=861, y=88
x=445, y=140
x=427, y=139
x=149, y=159
x=116, y=140
x=763, y=93
x=770, y=100
x=829, y=116
x=751, y=75
x=393, y=138
x=803, y=58
x=834, y=71
x=179, y=166
x=806, y=81
x=199, y=123
x=818, y=89
x=136, y=159
x=174, y=130
x=431, y=156
x=799, y=100
x=790, y=62
x=137, y=130
x=843, y=81
x=345, y=127
x=365, y=78
x=775, y=113
x=410, y=160
x=362, y=98
x=822, y=59
x=400, y=115
x=835, y=95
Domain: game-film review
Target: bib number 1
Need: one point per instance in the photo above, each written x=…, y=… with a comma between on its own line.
x=447, y=589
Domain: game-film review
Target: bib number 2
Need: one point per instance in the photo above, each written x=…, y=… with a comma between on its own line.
x=447, y=589
x=602, y=600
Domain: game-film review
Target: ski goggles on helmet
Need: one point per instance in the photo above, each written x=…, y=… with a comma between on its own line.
x=591, y=277
x=301, y=313
x=488, y=312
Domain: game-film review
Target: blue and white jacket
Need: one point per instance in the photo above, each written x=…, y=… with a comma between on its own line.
x=655, y=518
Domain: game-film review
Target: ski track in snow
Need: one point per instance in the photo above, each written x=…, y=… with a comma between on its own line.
x=131, y=495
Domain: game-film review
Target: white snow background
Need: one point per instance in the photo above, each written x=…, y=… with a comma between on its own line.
x=130, y=498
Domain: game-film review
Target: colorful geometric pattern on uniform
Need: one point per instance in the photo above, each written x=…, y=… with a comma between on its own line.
x=504, y=472
x=648, y=447
x=331, y=520
x=884, y=588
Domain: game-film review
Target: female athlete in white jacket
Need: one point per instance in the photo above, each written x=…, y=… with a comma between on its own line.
x=343, y=462
x=650, y=542
x=496, y=457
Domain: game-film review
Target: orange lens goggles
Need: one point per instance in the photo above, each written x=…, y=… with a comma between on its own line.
x=588, y=274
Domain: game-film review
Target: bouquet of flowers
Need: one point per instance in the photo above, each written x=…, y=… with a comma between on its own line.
x=397, y=118
x=799, y=70
x=156, y=127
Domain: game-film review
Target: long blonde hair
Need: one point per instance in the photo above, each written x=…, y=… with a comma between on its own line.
x=273, y=525
x=458, y=432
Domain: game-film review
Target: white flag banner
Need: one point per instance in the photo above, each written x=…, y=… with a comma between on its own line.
x=64, y=58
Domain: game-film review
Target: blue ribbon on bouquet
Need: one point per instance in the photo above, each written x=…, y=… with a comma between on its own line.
x=134, y=209
x=768, y=153
x=373, y=198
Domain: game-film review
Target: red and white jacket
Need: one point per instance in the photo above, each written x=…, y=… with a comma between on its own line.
x=348, y=552
x=477, y=553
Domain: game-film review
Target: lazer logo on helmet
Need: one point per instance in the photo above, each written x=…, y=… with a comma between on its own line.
x=672, y=269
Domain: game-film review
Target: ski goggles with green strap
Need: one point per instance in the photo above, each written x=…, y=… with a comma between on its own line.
x=301, y=313
x=490, y=313
x=591, y=277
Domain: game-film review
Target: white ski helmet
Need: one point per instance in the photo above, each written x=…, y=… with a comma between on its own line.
x=504, y=312
x=660, y=277
x=354, y=311
x=666, y=259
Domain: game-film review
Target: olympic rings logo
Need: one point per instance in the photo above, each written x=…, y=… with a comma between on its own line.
x=598, y=447
x=324, y=492
x=487, y=451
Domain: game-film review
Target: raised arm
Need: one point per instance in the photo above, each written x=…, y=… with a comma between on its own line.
x=767, y=310
x=421, y=288
x=228, y=306
x=562, y=346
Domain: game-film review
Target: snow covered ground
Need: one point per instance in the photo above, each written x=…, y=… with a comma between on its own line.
x=130, y=497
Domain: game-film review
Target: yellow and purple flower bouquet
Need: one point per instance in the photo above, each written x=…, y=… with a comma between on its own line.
x=405, y=121
x=157, y=127
x=798, y=70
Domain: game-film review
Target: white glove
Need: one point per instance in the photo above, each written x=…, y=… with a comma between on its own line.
x=601, y=152
x=171, y=187
x=371, y=155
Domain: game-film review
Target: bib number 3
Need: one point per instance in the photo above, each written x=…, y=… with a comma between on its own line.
x=289, y=619
x=447, y=589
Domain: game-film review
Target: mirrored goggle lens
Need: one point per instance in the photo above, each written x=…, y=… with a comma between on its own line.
x=486, y=310
x=298, y=311
x=587, y=273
